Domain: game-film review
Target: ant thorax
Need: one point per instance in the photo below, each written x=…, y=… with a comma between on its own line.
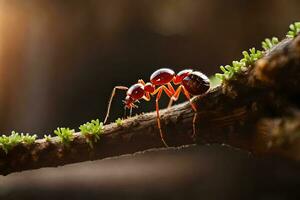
x=162, y=76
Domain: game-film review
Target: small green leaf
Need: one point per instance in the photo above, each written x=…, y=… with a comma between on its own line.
x=92, y=131
x=294, y=30
x=269, y=43
x=47, y=138
x=28, y=139
x=223, y=69
x=66, y=135
x=119, y=122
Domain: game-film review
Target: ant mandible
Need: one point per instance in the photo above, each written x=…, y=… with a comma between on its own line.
x=190, y=83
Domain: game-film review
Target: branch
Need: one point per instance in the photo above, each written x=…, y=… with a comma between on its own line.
x=257, y=111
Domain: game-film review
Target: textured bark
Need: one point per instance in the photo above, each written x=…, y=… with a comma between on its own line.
x=258, y=111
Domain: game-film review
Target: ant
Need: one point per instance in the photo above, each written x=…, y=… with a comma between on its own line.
x=190, y=83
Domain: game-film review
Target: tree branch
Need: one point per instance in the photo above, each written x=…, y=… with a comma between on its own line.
x=258, y=111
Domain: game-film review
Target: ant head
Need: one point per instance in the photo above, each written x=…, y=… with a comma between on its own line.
x=128, y=102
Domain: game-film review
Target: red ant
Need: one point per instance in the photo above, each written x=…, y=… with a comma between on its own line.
x=190, y=83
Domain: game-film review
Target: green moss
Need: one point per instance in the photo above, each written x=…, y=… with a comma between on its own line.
x=294, y=30
x=28, y=139
x=66, y=135
x=269, y=43
x=214, y=81
x=47, y=138
x=92, y=131
x=119, y=122
x=8, y=142
x=230, y=71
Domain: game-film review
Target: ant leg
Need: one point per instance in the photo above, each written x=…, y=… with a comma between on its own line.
x=159, y=92
x=111, y=98
x=175, y=96
x=141, y=81
x=130, y=112
x=171, y=88
x=163, y=88
x=160, y=89
x=187, y=94
x=170, y=103
x=177, y=93
x=147, y=96
x=194, y=124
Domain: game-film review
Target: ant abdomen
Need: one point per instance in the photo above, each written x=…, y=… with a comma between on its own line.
x=196, y=83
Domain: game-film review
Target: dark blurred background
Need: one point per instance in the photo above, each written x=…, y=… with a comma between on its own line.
x=59, y=61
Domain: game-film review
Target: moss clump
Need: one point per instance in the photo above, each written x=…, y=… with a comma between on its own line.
x=294, y=30
x=230, y=71
x=28, y=139
x=47, y=138
x=269, y=43
x=92, y=131
x=119, y=122
x=66, y=135
x=8, y=142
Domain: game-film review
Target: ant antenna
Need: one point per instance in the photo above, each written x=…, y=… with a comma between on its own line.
x=111, y=98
